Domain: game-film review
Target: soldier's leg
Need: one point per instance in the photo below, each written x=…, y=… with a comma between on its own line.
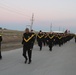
x=0, y=53
x=29, y=55
x=24, y=54
x=40, y=45
x=50, y=47
x=59, y=44
x=32, y=45
x=44, y=42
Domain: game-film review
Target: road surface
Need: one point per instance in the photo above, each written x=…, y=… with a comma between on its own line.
x=61, y=61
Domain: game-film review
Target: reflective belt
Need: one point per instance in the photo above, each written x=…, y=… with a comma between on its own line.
x=51, y=37
x=41, y=36
x=26, y=40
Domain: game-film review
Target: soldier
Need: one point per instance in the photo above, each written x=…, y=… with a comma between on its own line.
x=55, y=39
x=50, y=40
x=59, y=39
x=33, y=38
x=44, y=39
x=40, y=37
x=27, y=45
x=0, y=46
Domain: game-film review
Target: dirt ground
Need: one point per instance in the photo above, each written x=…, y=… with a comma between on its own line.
x=11, y=46
x=11, y=39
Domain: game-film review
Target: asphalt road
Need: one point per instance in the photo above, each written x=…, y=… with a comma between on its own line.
x=61, y=61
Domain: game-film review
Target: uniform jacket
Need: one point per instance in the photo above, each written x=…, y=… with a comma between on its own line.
x=27, y=40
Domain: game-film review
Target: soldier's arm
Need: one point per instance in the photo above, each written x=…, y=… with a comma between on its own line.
x=0, y=38
x=23, y=39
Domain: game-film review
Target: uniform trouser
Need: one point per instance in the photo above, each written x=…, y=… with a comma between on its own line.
x=32, y=45
x=59, y=43
x=75, y=40
x=27, y=51
x=40, y=45
x=0, y=51
x=50, y=46
x=44, y=42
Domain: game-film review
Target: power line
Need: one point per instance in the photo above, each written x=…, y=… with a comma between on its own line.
x=13, y=11
x=7, y=8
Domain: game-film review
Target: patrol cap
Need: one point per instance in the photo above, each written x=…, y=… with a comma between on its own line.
x=40, y=31
x=31, y=30
x=27, y=29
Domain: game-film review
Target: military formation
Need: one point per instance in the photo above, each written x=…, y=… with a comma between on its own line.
x=42, y=39
x=52, y=39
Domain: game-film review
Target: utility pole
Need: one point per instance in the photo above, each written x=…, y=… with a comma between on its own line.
x=51, y=27
x=32, y=20
x=59, y=28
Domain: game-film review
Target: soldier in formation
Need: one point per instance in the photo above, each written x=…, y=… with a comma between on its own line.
x=28, y=41
x=34, y=37
x=0, y=46
x=50, y=40
x=40, y=38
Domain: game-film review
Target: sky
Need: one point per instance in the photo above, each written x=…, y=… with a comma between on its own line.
x=48, y=14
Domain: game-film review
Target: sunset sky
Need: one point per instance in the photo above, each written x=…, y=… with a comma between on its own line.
x=16, y=14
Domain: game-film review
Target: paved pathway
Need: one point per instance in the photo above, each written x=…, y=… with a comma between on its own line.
x=61, y=61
